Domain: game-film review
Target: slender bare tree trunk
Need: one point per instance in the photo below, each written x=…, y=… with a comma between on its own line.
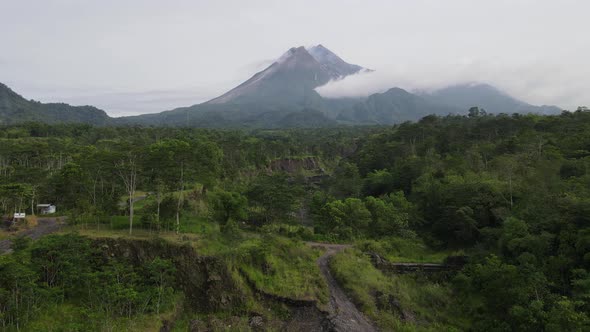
x=127, y=170
x=33, y=202
x=131, y=193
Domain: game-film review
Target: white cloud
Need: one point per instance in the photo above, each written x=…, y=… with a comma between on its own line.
x=536, y=83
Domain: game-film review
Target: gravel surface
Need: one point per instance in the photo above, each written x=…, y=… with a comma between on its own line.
x=44, y=226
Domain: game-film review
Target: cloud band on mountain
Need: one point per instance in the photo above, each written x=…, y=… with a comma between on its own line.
x=538, y=83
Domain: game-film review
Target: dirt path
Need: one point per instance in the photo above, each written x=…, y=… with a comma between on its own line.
x=44, y=226
x=135, y=200
x=343, y=313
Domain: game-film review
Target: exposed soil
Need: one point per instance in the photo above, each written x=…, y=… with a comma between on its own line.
x=343, y=313
x=44, y=226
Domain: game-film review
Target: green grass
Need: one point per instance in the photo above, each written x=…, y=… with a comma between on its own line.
x=273, y=264
x=404, y=250
x=198, y=225
x=120, y=222
x=282, y=267
x=201, y=233
x=429, y=305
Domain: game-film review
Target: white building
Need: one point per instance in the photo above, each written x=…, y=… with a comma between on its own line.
x=46, y=208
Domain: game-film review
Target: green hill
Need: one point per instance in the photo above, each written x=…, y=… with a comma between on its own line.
x=16, y=109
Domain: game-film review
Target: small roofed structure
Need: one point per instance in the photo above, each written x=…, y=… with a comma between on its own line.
x=46, y=208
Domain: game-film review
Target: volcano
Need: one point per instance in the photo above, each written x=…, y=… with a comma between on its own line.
x=291, y=79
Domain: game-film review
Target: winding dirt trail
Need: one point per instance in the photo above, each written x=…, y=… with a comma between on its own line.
x=44, y=226
x=343, y=313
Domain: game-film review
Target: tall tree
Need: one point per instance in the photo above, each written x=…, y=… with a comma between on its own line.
x=127, y=168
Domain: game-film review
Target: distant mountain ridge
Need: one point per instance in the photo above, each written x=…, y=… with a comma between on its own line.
x=397, y=105
x=16, y=109
x=485, y=96
x=284, y=95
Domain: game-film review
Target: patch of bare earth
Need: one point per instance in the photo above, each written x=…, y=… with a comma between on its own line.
x=44, y=226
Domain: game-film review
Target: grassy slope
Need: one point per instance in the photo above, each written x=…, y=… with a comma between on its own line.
x=404, y=250
x=282, y=267
x=287, y=268
x=428, y=305
x=275, y=265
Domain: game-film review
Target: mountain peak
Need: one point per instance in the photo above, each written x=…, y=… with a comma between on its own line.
x=7, y=93
x=294, y=57
x=292, y=52
x=292, y=78
x=319, y=48
x=334, y=64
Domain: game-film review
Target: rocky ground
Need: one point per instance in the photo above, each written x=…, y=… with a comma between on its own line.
x=44, y=226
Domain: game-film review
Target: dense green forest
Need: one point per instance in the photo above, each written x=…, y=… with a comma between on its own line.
x=507, y=194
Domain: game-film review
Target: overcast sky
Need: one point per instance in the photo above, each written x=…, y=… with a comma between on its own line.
x=140, y=56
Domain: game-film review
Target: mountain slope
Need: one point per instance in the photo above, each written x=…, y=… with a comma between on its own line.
x=285, y=87
x=289, y=80
x=485, y=96
x=16, y=109
x=394, y=106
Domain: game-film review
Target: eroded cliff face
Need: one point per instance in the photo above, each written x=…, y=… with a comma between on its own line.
x=205, y=281
x=211, y=292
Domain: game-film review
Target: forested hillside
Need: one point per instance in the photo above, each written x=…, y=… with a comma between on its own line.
x=16, y=109
x=287, y=99
x=505, y=196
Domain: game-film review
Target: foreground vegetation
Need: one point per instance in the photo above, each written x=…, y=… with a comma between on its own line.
x=67, y=275
x=508, y=193
x=398, y=302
